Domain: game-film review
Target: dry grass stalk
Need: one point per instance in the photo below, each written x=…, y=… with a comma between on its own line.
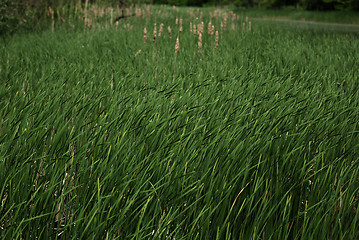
x=243, y=26
x=116, y=25
x=169, y=31
x=85, y=14
x=190, y=27
x=225, y=17
x=88, y=23
x=250, y=26
x=59, y=16
x=52, y=19
x=180, y=28
x=154, y=32
x=176, y=20
x=233, y=15
x=209, y=27
x=194, y=30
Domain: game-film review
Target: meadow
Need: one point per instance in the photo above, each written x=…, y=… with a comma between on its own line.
x=244, y=130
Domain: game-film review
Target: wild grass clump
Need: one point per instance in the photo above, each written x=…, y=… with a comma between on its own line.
x=105, y=135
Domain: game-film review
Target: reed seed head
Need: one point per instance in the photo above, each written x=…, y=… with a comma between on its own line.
x=154, y=32
x=138, y=52
x=160, y=31
x=216, y=40
x=177, y=46
x=145, y=36
x=169, y=31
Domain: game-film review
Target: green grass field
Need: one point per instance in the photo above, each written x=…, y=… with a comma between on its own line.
x=254, y=139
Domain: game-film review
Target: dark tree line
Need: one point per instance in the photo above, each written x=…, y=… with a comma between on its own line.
x=16, y=14
x=305, y=4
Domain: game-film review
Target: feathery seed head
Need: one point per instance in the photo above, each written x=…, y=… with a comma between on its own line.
x=177, y=46
x=154, y=32
x=138, y=52
x=216, y=40
x=199, y=41
x=169, y=31
x=160, y=31
x=145, y=36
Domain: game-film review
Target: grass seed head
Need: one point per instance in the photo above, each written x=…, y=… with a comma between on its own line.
x=145, y=36
x=138, y=52
x=177, y=46
x=160, y=31
x=154, y=32
x=169, y=31
x=180, y=28
x=216, y=40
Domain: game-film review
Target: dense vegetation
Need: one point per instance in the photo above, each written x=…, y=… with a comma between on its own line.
x=243, y=130
x=27, y=14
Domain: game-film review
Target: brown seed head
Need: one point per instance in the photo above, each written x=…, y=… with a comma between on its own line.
x=145, y=36
x=160, y=31
x=216, y=40
x=169, y=31
x=138, y=52
x=199, y=41
x=177, y=46
x=154, y=32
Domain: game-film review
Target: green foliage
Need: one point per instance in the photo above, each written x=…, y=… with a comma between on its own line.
x=330, y=4
x=10, y=15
